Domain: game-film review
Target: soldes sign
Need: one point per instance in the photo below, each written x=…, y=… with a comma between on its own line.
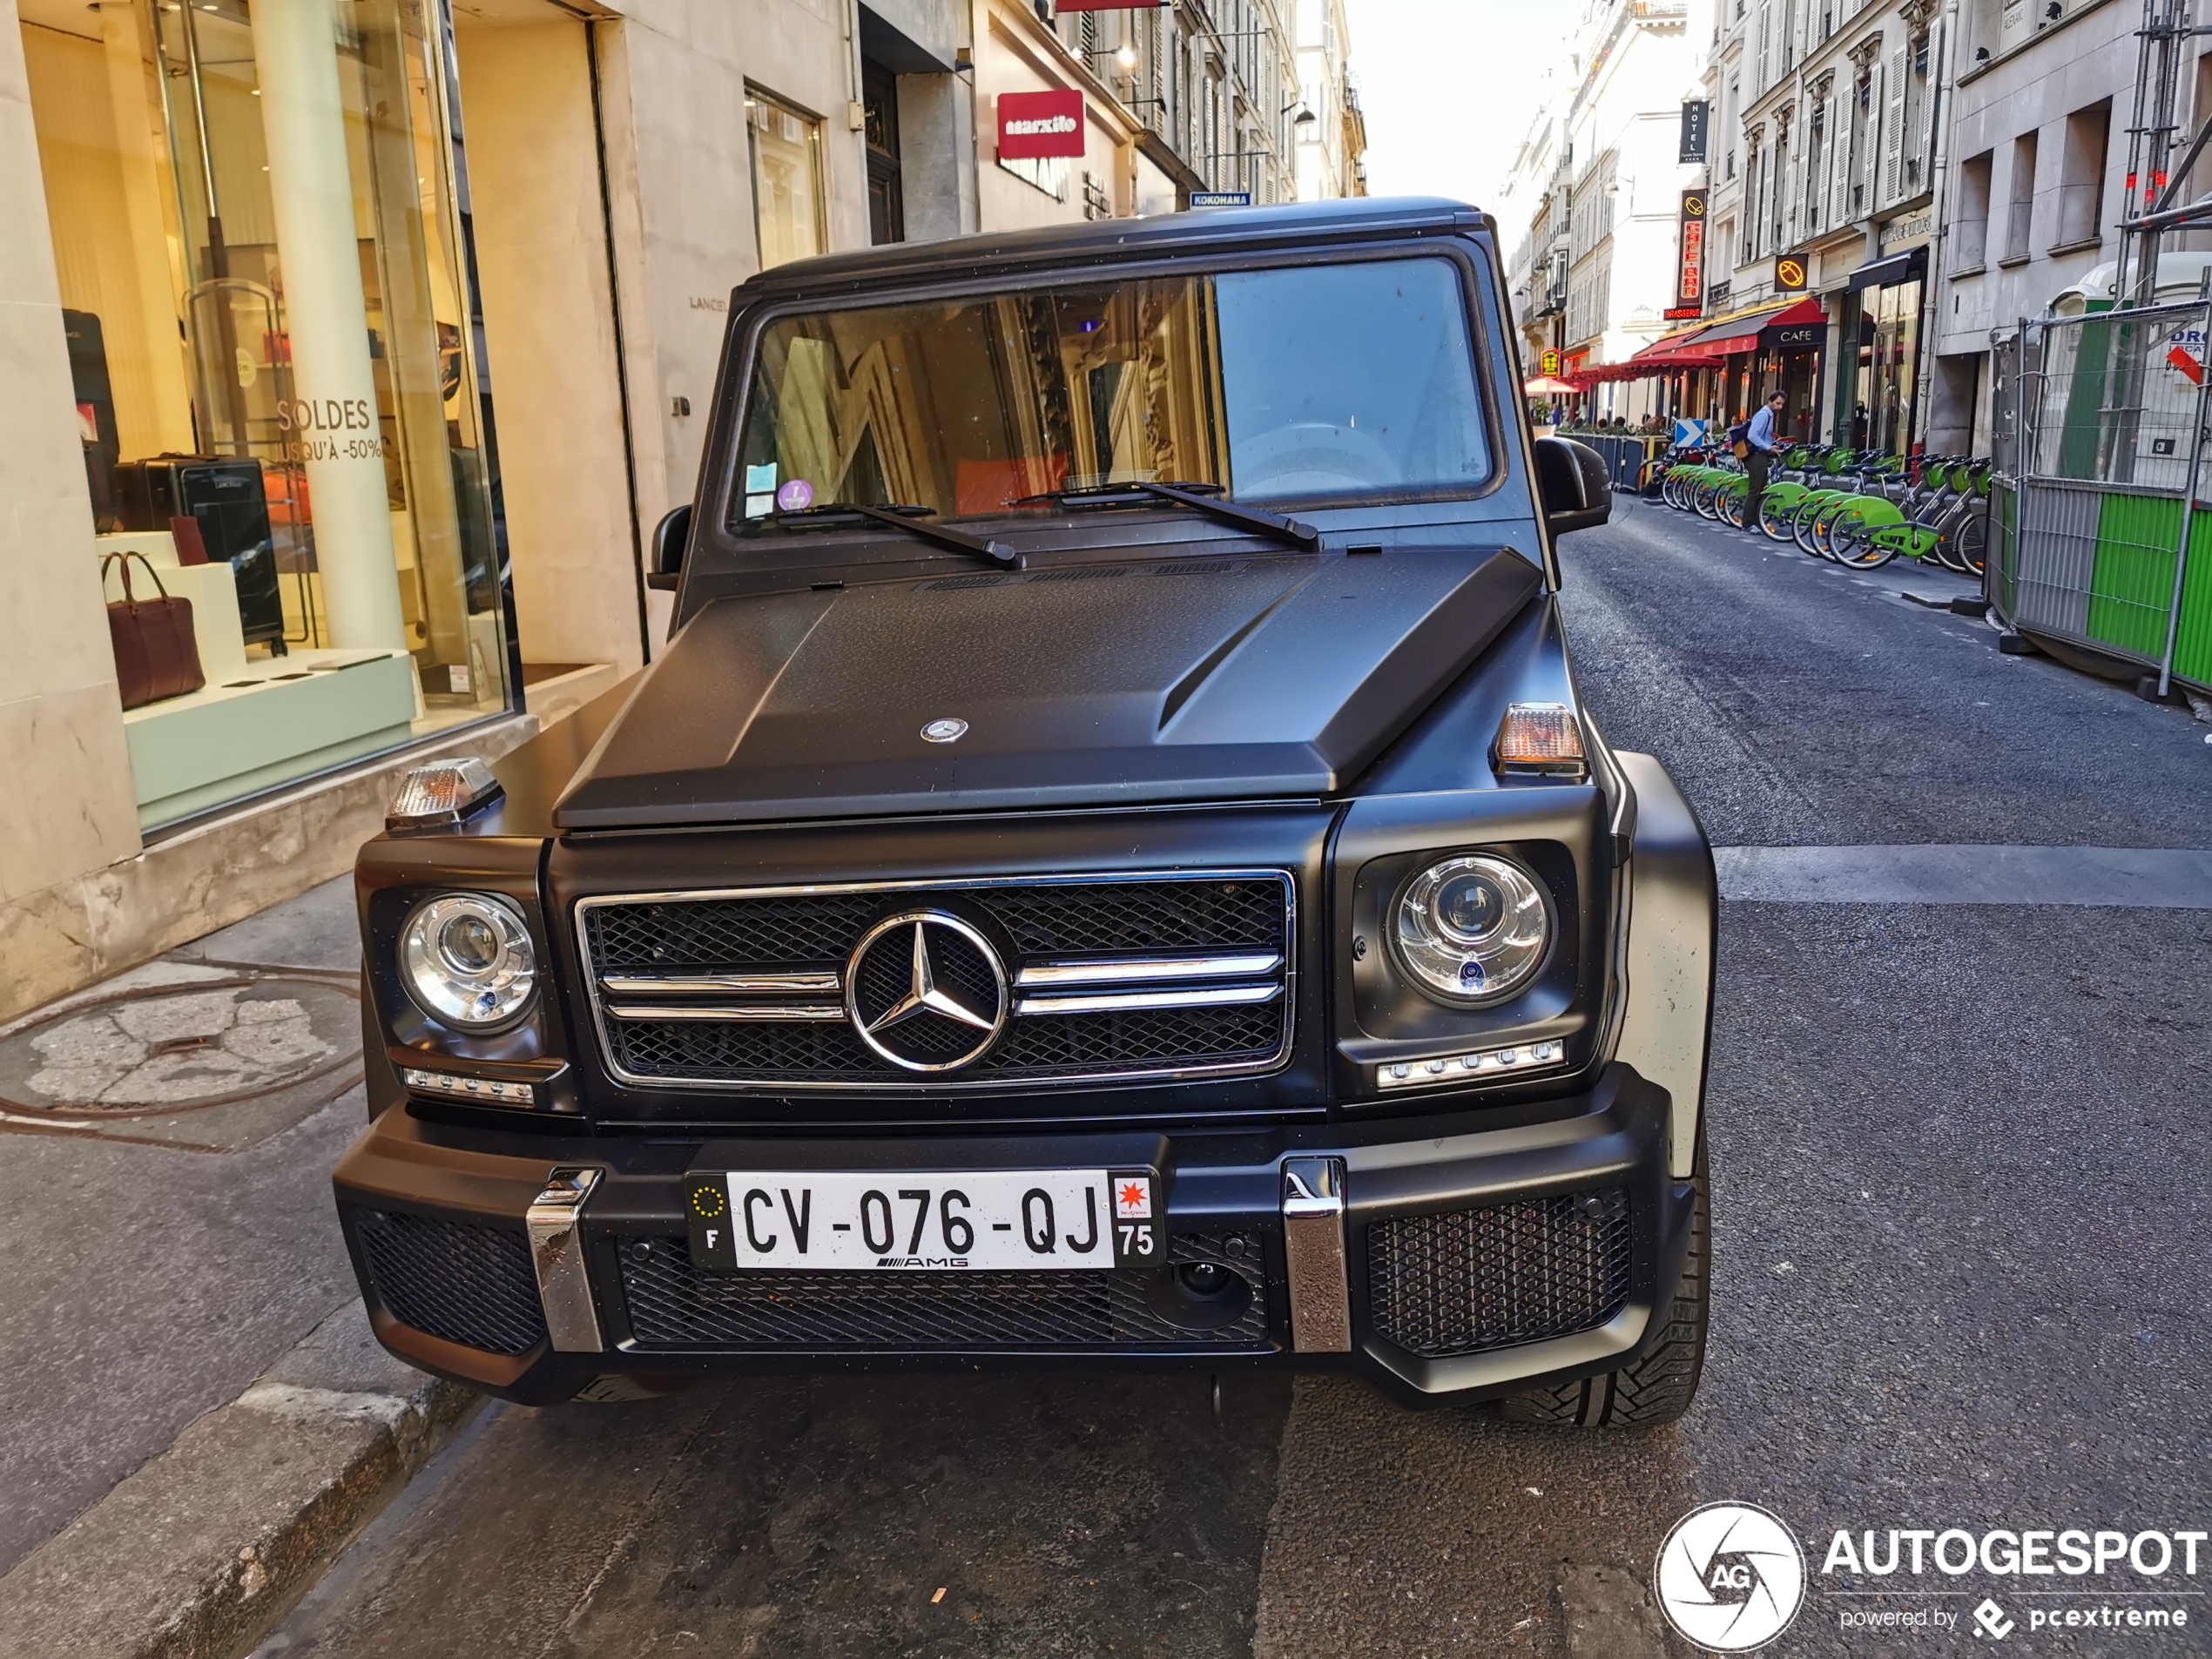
x=1036, y=126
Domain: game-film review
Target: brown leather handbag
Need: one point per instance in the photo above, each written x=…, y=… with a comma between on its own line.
x=156, y=654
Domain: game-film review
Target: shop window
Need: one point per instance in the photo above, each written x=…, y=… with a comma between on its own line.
x=2082, y=175
x=258, y=237
x=787, y=148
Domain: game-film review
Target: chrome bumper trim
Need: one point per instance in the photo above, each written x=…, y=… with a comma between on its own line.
x=556, y=1257
x=1313, y=1243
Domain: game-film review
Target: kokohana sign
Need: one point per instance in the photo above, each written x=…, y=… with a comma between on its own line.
x=1036, y=126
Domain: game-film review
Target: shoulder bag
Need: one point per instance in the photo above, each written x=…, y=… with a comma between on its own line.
x=156, y=654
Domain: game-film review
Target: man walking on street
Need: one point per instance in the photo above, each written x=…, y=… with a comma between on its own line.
x=1764, y=441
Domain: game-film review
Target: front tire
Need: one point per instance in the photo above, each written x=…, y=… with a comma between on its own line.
x=1657, y=1389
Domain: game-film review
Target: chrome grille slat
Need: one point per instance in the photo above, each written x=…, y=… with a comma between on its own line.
x=1114, y=1001
x=730, y=1013
x=1121, y=970
x=689, y=988
x=723, y=984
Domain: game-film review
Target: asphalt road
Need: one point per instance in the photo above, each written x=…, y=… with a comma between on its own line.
x=1963, y=1245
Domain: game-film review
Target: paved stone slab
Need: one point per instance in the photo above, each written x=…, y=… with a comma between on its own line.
x=201, y=1550
x=1007, y=1513
x=2155, y=879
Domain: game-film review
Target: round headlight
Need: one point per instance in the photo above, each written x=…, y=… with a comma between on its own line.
x=466, y=959
x=1472, y=929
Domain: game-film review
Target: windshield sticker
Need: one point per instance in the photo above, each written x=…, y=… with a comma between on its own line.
x=760, y=481
x=795, y=497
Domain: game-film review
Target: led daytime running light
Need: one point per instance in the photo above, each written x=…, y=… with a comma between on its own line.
x=1412, y=1074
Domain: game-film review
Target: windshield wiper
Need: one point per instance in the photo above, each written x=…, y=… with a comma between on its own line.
x=1215, y=505
x=900, y=518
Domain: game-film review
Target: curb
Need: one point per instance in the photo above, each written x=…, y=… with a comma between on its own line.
x=202, y=1551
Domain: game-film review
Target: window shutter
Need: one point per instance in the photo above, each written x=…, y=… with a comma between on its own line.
x=1839, y=152
x=1869, y=138
x=1893, y=128
x=1923, y=139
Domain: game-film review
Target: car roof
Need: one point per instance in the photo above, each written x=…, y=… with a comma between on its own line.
x=1164, y=235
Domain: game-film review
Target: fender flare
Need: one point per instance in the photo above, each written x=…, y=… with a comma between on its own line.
x=1668, y=958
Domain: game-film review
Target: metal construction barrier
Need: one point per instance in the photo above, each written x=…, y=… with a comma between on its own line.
x=2090, y=544
x=1624, y=454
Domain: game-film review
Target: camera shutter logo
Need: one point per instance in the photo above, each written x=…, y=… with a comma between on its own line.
x=1730, y=1577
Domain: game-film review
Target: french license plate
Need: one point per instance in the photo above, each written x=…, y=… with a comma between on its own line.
x=965, y=1220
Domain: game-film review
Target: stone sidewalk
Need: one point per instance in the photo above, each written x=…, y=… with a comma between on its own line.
x=197, y=1415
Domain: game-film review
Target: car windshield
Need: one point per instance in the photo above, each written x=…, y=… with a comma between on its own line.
x=1352, y=379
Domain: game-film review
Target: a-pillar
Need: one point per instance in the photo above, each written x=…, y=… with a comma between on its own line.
x=334, y=414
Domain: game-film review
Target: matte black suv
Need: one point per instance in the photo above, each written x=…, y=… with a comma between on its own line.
x=1111, y=867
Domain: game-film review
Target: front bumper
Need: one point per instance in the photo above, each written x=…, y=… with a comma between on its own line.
x=1459, y=1257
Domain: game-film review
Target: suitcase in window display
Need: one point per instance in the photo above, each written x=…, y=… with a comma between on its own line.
x=226, y=497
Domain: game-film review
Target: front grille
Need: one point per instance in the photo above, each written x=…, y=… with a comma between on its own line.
x=462, y=1283
x=1043, y=1046
x=666, y=942
x=1473, y=1280
x=672, y=1305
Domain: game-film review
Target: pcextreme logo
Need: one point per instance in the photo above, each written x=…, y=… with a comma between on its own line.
x=1730, y=1577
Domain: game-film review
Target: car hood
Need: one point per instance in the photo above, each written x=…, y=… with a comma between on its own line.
x=1082, y=686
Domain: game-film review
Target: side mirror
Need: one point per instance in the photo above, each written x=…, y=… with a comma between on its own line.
x=1573, y=485
x=670, y=538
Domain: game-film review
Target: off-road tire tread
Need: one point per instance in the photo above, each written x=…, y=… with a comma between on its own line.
x=1656, y=1389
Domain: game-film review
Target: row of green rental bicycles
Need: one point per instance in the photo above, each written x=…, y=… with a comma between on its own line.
x=1859, y=507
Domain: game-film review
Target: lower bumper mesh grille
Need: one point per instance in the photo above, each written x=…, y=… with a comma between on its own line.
x=1473, y=1280
x=459, y=1282
x=672, y=1305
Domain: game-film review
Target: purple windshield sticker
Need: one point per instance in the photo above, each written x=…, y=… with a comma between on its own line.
x=796, y=496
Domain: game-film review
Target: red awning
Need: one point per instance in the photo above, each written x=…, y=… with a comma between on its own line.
x=1708, y=346
x=1742, y=334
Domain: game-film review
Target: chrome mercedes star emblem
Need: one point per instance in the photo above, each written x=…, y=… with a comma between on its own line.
x=944, y=732
x=926, y=991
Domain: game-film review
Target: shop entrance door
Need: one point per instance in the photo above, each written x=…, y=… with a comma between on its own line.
x=880, y=108
x=1892, y=356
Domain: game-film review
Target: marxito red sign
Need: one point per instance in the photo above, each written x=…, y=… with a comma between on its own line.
x=1034, y=126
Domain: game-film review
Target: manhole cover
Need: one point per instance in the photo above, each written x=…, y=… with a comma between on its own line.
x=167, y=1049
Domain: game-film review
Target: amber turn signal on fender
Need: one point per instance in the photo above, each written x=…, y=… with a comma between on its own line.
x=443, y=794
x=1539, y=740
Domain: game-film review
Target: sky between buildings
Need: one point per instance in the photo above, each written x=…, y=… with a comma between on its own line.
x=1449, y=87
